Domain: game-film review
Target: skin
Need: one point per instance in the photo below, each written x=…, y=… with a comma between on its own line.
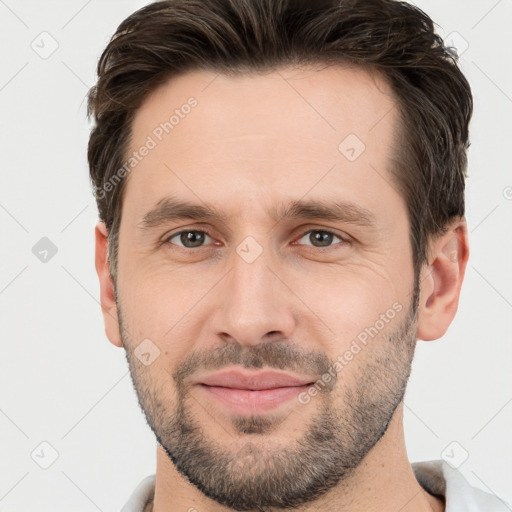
x=252, y=143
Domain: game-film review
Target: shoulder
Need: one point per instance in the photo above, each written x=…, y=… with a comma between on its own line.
x=439, y=478
x=141, y=496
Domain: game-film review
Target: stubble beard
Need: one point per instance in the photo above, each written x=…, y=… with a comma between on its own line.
x=334, y=443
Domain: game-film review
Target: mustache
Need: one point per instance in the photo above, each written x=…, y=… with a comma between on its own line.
x=280, y=355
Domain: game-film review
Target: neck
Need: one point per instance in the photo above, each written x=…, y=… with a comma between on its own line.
x=384, y=481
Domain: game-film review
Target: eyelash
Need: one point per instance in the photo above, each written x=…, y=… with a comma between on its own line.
x=344, y=241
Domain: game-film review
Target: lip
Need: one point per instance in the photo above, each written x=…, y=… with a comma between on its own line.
x=258, y=381
x=252, y=393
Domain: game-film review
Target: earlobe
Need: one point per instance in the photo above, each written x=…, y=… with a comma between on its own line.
x=107, y=295
x=441, y=282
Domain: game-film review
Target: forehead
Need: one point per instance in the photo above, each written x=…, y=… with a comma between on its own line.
x=333, y=99
x=268, y=136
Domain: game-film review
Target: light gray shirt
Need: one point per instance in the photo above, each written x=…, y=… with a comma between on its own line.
x=436, y=477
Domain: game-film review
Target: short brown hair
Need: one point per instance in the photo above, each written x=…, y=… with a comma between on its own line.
x=393, y=38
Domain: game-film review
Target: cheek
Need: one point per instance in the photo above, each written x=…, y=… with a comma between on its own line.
x=162, y=306
x=349, y=298
x=362, y=308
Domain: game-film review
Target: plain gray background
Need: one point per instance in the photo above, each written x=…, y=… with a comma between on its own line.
x=64, y=385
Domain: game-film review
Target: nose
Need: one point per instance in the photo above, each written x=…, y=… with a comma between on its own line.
x=254, y=303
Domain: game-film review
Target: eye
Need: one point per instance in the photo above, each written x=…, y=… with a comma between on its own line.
x=321, y=238
x=192, y=239
x=189, y=239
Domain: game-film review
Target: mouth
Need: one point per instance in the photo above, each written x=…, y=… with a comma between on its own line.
x=254, y=393
x=253, y=401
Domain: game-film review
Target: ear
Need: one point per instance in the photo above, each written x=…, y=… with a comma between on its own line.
x=107, y=296
x=441, y=281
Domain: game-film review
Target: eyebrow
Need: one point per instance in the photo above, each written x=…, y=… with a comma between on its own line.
x=171, y=209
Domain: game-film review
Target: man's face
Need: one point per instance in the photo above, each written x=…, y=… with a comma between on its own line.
x=304, y=295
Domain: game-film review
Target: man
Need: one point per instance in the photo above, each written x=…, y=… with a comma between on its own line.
x=281, y=196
